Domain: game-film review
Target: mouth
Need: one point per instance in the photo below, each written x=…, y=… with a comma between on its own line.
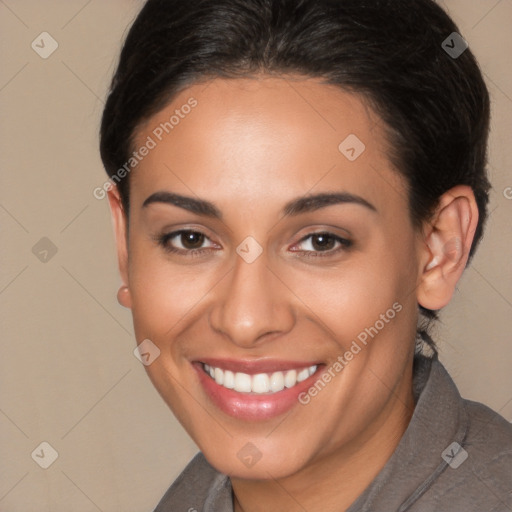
x=259, y=383
x=255, y=391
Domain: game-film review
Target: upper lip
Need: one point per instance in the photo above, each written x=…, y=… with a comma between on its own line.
x=253, y=367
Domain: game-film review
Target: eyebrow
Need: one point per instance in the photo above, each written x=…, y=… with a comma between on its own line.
x=294, y=207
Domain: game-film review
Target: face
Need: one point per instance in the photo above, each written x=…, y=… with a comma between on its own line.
x=270, y=241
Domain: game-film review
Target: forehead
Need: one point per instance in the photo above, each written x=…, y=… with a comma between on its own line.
x=265, y=136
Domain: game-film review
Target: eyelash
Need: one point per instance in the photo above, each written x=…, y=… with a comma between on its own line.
x=163, y=241
x=193, y=253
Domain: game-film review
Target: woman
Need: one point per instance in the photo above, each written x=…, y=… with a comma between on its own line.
x=296, y=188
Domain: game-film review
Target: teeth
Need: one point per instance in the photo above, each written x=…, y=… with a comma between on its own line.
x=218, y=376
x=290, y=378
x=242, y=382
x=303, y=375
x=261, y=382
x=277, y=381
x=229, y=379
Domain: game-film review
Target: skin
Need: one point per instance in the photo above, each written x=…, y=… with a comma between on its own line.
x=250, y=146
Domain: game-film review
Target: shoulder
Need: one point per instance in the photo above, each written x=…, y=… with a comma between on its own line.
x=197, y=483
x=489, y=439
x=478, y=475
x=474, y=472
x=486, y=425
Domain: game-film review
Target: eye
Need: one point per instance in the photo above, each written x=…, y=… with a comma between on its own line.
x=323, y=242
x=185, y=242
x=190, y=243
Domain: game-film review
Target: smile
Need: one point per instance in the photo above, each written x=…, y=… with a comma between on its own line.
x=255, y=390
x=261, y=382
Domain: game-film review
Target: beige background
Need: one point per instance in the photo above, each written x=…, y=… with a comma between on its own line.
x=68, y=373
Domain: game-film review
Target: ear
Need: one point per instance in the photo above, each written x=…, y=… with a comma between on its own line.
x=120, y=224
x=446, y=244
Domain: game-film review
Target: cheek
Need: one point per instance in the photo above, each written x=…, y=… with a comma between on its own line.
x=165, y=299
x=163, y=293
x=343, y=298
x=352, y=297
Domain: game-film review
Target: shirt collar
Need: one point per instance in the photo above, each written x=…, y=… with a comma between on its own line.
x=439, y=419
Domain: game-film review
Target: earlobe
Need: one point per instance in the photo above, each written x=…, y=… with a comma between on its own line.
x=123, y=297
x=446, y=246
x=120, y=225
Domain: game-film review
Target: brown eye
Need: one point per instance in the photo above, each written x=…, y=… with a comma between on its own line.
x=186, y=242
x=191, y=239
x=323, y=242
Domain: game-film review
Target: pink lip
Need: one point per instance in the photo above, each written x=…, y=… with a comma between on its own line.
x=252, y=406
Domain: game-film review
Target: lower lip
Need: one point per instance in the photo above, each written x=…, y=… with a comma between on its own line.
x=252, y=406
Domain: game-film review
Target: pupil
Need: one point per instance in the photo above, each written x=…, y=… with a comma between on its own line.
x=192, y=239
x=322, y=241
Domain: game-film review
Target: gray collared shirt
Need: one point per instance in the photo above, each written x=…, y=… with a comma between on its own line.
x=455, y=456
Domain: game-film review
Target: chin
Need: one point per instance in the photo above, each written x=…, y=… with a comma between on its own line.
x=255, y=460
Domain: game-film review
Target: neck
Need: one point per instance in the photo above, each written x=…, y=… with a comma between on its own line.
x=333, y=482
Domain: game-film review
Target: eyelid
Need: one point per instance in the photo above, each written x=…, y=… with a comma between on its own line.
x=344, y=244
x=179, y=232
x=164, y=238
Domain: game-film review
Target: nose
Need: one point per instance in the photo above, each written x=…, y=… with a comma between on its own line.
x=252, y=304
